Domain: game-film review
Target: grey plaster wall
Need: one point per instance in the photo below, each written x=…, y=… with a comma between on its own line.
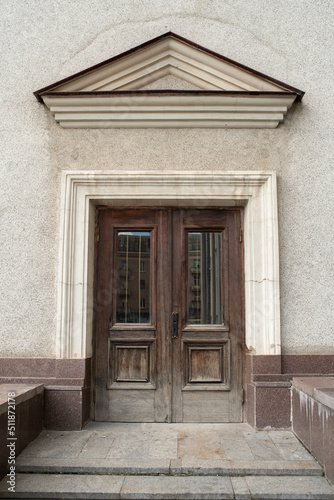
x=42, y=42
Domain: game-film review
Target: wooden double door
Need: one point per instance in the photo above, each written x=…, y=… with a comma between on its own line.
x=169, y=315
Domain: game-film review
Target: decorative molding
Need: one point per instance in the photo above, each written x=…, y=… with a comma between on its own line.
x=110, y=94
x=82, y=191
x=170, y=111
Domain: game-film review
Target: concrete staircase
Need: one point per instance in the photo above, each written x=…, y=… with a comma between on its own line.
x=168, y=461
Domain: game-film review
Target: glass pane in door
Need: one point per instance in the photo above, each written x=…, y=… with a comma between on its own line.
x=205, y=278
x=133, y=277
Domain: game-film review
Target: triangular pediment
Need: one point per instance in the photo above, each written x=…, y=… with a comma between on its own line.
x=170, y=82
x=168, y=71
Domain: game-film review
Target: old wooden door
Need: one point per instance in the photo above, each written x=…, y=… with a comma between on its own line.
x=169, y=315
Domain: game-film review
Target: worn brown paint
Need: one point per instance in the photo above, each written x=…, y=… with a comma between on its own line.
x=142, y=374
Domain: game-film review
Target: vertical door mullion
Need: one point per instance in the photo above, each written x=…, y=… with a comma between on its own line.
x=178, y=306
x=164, y=312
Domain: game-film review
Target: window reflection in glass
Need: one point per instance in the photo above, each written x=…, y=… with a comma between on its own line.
x=205, y=278
x=133, y=277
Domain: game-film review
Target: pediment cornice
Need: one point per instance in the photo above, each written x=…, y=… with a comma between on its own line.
x=113, y=93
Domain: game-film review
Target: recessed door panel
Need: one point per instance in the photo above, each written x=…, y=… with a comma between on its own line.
x=207, y=365
x=131, y=365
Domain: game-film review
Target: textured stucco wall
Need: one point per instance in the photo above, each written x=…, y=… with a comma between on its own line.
x=42, y=42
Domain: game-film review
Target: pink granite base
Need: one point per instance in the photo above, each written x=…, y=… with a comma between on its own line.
x=67, y=388
x=3, y=445
x=63, y=408
x=28, y=411
x=272, y=405
x=268, y=385
x=313, y=418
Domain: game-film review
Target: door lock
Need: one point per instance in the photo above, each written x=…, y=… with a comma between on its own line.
x=175, y=325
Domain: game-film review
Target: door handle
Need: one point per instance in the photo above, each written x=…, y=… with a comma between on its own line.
x=175, y=325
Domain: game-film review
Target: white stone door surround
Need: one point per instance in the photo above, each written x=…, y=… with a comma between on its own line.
x=83, y=190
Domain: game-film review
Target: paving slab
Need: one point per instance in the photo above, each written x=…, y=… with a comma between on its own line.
x=293, y=451
x=95, y=466
x=165, y=466
x=151, y=445
x=196, y=488
x=200, y=444
x=66, y=444
x=240, y=488
x=64, y=486
x=282, y=436
x=290, y=488
x=203, y=441
x=176, y=466
x=98, y=445
x=255, y=467
x=78, y=486
x=236, y=448
x=252, y=435
x=265, y=451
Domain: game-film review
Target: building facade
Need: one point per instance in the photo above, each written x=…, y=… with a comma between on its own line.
x=167, y=252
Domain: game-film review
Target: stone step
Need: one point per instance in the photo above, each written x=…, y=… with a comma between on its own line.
x=192, y=467
x=68, y=486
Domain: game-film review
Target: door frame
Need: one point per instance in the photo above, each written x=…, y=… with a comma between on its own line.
x=82, y=191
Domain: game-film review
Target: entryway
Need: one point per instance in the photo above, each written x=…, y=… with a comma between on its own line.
x=169, y=322
x=168, y=461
